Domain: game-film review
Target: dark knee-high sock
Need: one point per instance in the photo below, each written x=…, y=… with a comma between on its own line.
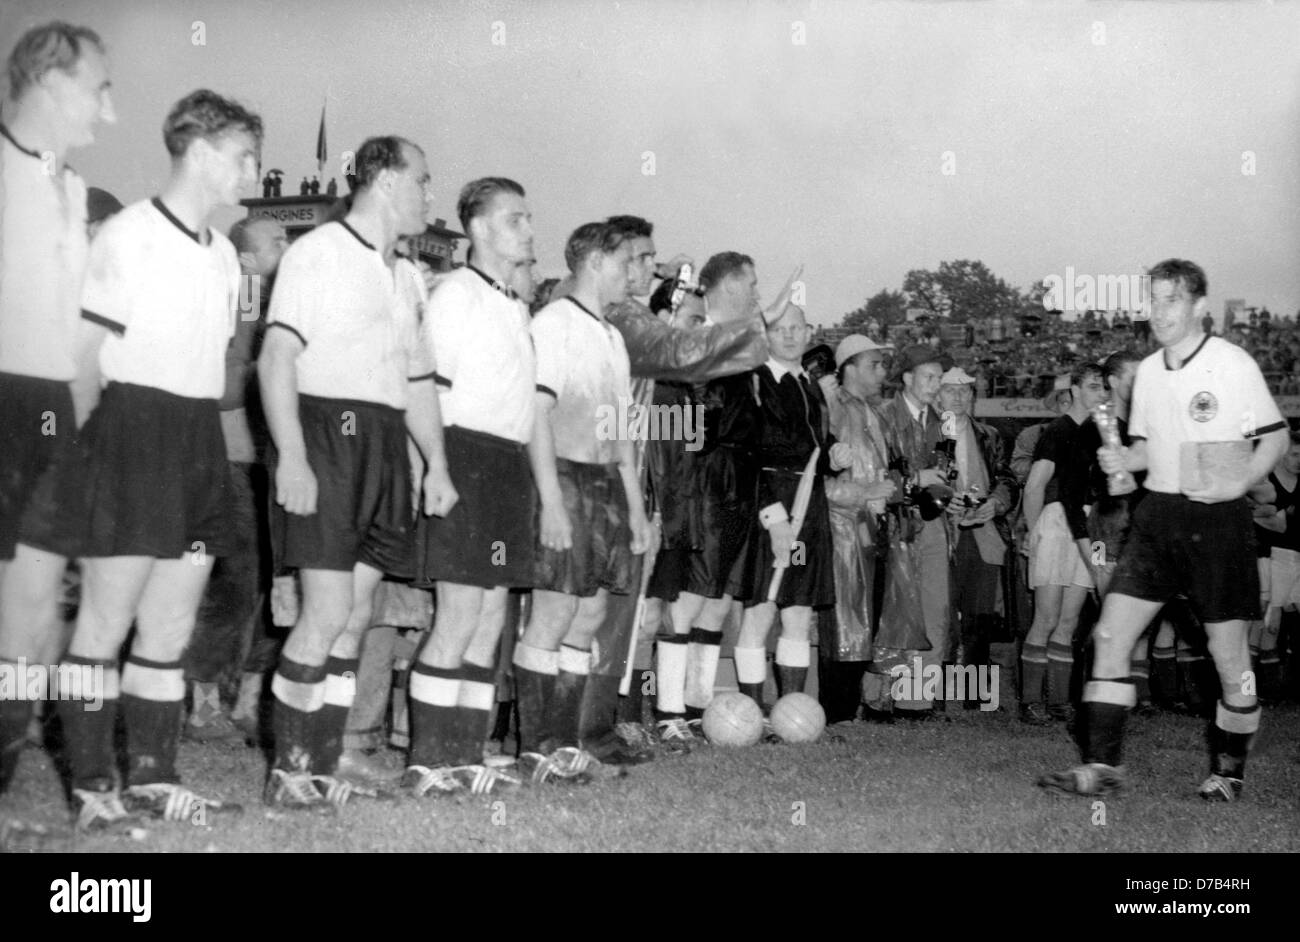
x=153, y=694
x=1033, y=672
x=599, y=707
x=631, y=708
x=435, y=700
x=702, y=651
x=1141, y=674
x=1164, y=670
x=299, y=691
x=16, y=708
x=1106, y=704
x=1198, y=679
x=570, y=683
x=1231, y=735
x=1060, y=665
x=332, y=720
x=474, y=709
x=535, y=673
x=89, y=719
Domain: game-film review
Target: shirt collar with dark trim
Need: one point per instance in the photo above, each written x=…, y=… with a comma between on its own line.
x=507, y=291
x=9, y=136
x=582, y=307
x=356, y=235
x=1164, y=355
x=170, y=217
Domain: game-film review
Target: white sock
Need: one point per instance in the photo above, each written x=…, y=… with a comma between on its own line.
x=702, y=670
x=670, y=656
x=792, y=653
x=751, y=665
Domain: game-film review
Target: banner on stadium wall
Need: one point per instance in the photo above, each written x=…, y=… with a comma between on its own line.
x=1033, y=408
x=1011, y=409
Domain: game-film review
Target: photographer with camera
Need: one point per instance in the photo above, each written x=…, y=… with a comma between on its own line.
x=986, y=492
x=913, y=430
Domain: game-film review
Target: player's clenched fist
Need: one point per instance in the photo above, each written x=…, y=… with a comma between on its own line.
x=783, y=536
x=295, y=486
x=1111, y=459
x=439, y=493
x=557, y=532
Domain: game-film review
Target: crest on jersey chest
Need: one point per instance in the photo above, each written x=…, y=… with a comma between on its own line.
x=1204, y=406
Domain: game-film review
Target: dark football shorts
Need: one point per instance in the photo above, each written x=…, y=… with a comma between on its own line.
x=810, y=578
x=357, y=450
x=726, y=484
x=671, y=573
x=147, y=476
x=486, y=539
x=1204, y=551
x=36, y=421
x=601, y=556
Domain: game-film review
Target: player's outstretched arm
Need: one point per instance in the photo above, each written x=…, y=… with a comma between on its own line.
x=687, y=354
x=777, y=308
x=295, y=484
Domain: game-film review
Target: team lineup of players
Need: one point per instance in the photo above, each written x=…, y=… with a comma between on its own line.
x=446, y=438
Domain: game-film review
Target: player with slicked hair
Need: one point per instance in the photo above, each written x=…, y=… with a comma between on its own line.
x=58, y=91
x=230, y=615
x=1206, y=430
x=344, y=380
x=474, y=554
x=592, y=519
x=143, y=503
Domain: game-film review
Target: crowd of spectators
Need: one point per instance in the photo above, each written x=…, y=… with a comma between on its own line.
x=1021, y=358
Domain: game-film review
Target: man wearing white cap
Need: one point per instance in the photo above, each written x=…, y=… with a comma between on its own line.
x=857, y=499
x=986, y=492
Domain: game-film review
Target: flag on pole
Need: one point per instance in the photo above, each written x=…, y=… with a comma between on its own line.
x=320, y=143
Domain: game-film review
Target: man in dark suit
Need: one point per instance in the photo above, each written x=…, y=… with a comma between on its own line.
x=985, y=493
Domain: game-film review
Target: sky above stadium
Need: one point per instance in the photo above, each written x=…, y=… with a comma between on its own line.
x=862, y=139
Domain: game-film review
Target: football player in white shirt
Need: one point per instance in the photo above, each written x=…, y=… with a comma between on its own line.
x=59, y=91
x=1197, y=403
x=144, y=503
x=343, y=383
x=592, y=518
x=478, y=329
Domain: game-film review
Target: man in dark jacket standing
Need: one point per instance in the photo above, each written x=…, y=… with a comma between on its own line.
x=985, y=493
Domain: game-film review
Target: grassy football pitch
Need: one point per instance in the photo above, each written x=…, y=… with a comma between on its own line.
x=963, y=785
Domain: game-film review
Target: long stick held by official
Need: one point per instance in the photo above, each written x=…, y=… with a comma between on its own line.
x=801, y=498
